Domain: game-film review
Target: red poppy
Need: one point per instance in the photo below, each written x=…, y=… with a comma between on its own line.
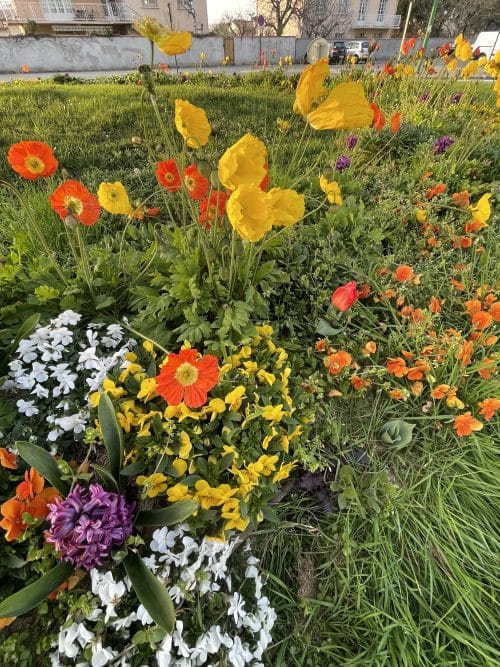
x=408, y=45
x=32, y=159
x=444, y=50
x=187, y=377
x=264, y=185
x=389, y=69
x=168, y=175
x=378, y=117
x=72, y=198
x=345, y=296
x=196, y=184
x=213, y=208
x=396, y=122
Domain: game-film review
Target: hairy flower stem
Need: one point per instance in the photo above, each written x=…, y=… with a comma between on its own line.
x=85, y=259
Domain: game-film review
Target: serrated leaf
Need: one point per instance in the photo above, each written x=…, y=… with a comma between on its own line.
x=41, y=460
x=167, y=516
x=112, y=435
x=31, y=596
x=150, y=592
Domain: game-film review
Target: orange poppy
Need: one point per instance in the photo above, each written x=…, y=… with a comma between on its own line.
x=73, y=199
x=12, y=522
x=461, y=199
x=488, y=407
x=31, y=486
x=168, y=175
x=358, y=383
x=396, y=122
x=196, y=184
x=481, y=320
x=213, y=208
x=495, y=311
x=389, y=69
x=397, y=366
x=337, y=361
x=408, y=45
x=403, y=273
x=32, y=159
x=464, y=424
x=378, y=116
x=7, y=459
x=187, y=377
x=435, y=305
x=465, y=352
x=487, y=368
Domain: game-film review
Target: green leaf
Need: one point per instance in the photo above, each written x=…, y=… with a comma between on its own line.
x=132, y=469
x=42, y=461
x=112, y=434
x=167, y=516
x=31, y=596
x=150, y=592
x=397, y=432
x=106, y=476
x=324, y=328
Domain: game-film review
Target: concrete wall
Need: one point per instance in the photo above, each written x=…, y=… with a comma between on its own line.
x=247, y=50
x=72, y=54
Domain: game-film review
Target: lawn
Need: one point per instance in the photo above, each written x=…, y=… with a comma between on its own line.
x=379, y=544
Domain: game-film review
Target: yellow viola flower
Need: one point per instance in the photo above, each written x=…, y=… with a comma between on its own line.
x=250, y=367
x=174, y=43
x=114, y=198
x=481, y=210
x=264, y=376
x=331, y=189
x=235, y=521
x=149, y=347
x=180, y=466
x=192, y=123
x=243, y=163
x=463, y=48
x=245, y=352
x=283, y=472
x=268, y=464
x=178, y=492
x=249, y=212
x=186, y=446
x=153, y=485
x=285, y=444
x=131, y=369
x=274, y=413
x=265, y=330
x=311, y=88
x=209, y=496
x=109, y=387
x=283, y=125
x=147, y=390
x=287, y=206
x=235, y=398
x=268, y=438
x=345, y=108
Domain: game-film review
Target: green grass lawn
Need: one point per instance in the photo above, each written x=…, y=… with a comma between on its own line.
x=406, y=572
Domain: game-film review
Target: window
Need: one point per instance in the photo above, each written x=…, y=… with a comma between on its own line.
x=342, y=6
x=58, y=7
x=150, y=3
x=381, y=10
x=362, y=10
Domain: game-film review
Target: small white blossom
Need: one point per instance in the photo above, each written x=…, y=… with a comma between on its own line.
x=27, y=408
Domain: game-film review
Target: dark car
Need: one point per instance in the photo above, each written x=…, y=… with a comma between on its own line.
x=337, y=53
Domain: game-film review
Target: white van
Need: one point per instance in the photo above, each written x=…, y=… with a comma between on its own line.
x=486, y=44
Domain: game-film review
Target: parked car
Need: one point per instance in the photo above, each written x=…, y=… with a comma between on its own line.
x=357, y=50
x=486, y=44
x=337, y=53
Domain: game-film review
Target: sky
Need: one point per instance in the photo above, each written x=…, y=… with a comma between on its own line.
x=216, y=8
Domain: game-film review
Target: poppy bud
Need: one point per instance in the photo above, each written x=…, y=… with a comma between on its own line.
x=65, y=174
x=71, y=222
x=345, y=296
x=328, y=173
x=204, y=167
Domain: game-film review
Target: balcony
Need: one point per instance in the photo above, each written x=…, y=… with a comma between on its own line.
x=67, y=12
x=377, y=21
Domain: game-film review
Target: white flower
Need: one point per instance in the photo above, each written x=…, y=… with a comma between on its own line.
x=176, y=594
x=68, y=317
x=101, y=656
x=237, y=609
x=62, y=336
x=27, y=408
x=54, y=434
x=40, y=391
x=143, y=615
x=178, y=641
x=26, y=350
x=69, y=636
x=25, y=382
x=76, y=423
x=88, y=359
x=239, y=654
x=163, y=540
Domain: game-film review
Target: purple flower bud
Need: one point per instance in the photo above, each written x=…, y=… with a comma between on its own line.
x=88, y=525
x=423, y=98
x=442, y=144
x=456, y=98
x=343, y=162
x=351, y=141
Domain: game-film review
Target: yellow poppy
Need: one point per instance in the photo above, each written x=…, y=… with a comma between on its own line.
x=463, y=48
x=249, y=212
x=470, y=69
x=174, y=43
x=481, y=210
x=331, y=189
x=192, y=123
x=114, y=198
x=287, y=206
x=243, y=163
x=150, y=28
x=310, y=87
x=345, y=108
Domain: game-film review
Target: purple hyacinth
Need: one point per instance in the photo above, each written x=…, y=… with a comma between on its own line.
x=442, y=144
x=456, y=98
x=343, y=162
x=88, y=524
x=424, y=97
x=351, y=141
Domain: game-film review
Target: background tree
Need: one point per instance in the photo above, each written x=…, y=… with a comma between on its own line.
x=235, y=24
x=323, y=18
x=279, y=13
x=452, y=16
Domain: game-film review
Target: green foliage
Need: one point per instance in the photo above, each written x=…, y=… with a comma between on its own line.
x=397, y=432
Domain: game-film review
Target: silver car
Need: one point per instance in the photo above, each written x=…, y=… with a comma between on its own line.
x=357, y=50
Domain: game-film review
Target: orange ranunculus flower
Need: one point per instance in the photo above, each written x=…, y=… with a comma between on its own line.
x=397, y=366
x=378, y=116
x=187, y=377
x=464, y=424
x=310, y=88
x=495, y=311
x=7, y=459
x=174, y=43
x=168, y=175
x=461, y=199
x=396, y=122
x=488, y=407
x=369, y=348
x=192, y=123
x=196, y=184
x=32, y=159
x=345, y=296
x=31, y=486
x=213, y=208
x=345, y=108
x=481, y=320
x=435, y=305
x=473, y=306
x=403, y=273
x=337, y=361
x=12, y=522
x=73, y=199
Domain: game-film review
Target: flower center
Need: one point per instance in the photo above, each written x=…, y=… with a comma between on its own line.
x=186, y=374
x=73, y=204
x=190, y=183
x=34, y=164
x=169, y=177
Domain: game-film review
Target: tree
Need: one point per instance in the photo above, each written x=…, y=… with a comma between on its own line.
x=452, y=16
x=234, y=24
x=279, y=13
x=323, y=18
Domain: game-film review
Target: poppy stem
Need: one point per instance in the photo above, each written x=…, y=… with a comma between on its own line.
x=84, y=259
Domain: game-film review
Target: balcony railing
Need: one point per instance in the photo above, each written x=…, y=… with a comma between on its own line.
x=65, y=11
x=377, y=21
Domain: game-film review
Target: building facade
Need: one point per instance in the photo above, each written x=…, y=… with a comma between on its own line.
x=341, y=19
x=105, y=17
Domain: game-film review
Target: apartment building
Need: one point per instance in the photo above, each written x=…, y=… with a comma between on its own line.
x=94, y=17
x=334, y=18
